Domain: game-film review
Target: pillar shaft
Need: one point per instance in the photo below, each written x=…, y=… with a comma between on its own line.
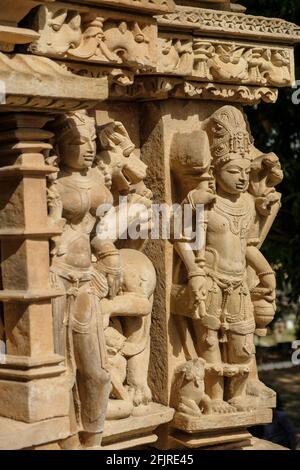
x=26, y=293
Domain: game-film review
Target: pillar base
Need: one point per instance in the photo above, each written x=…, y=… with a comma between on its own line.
x=15, y=435
x=35, y=400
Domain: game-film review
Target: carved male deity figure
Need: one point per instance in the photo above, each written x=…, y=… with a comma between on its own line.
x=235, y=184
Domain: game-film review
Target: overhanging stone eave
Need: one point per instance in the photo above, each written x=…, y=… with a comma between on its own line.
x=39, y=83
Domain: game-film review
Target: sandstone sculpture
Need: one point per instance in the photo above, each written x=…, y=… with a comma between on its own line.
x=188, y=389
x=78, y=327
x=107, y=298
x=224, y=309
x=113, y=112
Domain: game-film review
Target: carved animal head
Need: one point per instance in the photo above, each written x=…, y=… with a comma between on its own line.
x=229, y=54
x=59, y=28
x=128, y=41
x=126, y=169
x=190, y=160
x=280, y=58
x=193, y=370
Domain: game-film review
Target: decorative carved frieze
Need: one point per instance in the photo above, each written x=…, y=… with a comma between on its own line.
x=160, y=88
x=152, y=88
x=229, y=24
x=103, y=37
x=175, y=54
x=231, y=93
x=120, y=76
x=225, y=61
x=98, y=36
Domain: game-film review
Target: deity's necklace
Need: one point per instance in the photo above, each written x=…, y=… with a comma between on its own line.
x=238, y=216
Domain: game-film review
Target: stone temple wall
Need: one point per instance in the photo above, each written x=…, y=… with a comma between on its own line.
x=113, y=342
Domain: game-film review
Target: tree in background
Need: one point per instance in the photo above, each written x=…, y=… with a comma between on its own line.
x=277, y=128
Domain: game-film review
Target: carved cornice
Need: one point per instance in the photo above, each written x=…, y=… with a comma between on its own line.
x=104, y=37
x=11, y=35
x=240, y=94
x=229, y=24
x=38, y=83
x=10, y=16
x=214, y=4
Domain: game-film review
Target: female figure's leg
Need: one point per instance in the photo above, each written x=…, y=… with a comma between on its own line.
x=93, y=380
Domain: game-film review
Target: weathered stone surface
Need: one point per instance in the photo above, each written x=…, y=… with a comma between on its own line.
x=221, y=440
x=16, y=435
x=37, y=83
x=108, y=340
x=224, y=422
x=34, y=400
x=137, y=430
x=228, y=24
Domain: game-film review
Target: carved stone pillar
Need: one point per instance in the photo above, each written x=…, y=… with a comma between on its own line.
x=32, y=385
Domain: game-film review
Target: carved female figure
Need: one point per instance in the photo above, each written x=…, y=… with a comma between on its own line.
x=104, y=286
x=223, y=328
x=75, y=196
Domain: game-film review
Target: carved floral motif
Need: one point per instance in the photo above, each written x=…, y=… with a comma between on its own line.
x=167, y=87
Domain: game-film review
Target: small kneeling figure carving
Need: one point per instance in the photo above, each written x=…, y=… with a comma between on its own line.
x=188, y=393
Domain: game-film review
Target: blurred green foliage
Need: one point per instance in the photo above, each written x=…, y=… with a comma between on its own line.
x=277, y=128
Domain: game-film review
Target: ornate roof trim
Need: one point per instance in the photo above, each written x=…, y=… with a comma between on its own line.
x=230, y=24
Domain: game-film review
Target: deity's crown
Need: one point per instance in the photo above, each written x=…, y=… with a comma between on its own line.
x=229, y=135
x=76, y=123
